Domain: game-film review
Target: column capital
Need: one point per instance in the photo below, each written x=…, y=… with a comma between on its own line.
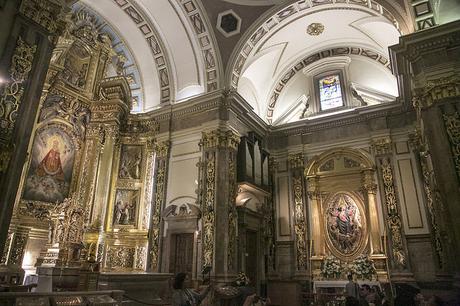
x=220, y=138
x=381, y=146
x=296, y=161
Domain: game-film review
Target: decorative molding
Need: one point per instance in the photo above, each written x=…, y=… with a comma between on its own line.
x=393, y=217
x=206, y=41
x=312, y=58
x=120, y=257
x=157, y=48
x=232, y=213
x=296, y=161
x=296, y=8
x=315, y=29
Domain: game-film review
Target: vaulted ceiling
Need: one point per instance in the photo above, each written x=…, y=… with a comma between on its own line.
x=260, y=48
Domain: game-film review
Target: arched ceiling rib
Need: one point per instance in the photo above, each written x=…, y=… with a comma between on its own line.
x=171, y=43
x=281, y=40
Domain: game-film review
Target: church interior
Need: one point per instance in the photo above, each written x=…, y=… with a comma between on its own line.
x=277, y=146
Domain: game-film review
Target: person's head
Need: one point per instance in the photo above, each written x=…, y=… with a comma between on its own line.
x=179, y=280
x=350, y=277
x=365, y=290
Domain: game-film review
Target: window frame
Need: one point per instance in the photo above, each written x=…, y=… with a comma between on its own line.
x=321, y=75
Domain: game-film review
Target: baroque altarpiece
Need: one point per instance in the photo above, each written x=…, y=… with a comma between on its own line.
x=208, y=184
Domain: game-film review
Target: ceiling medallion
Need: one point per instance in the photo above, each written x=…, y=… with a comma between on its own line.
x=315, y=29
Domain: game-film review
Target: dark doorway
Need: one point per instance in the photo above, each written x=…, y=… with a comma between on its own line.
x=252, y=262
x=181, y=253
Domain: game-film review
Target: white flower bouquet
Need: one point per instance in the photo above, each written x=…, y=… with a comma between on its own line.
x=331, y=267
x=363, y=267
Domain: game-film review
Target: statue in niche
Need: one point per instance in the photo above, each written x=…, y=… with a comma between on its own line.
x=344, y=223
x=130, y=164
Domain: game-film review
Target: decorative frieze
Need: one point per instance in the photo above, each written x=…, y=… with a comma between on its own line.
x=393, y=218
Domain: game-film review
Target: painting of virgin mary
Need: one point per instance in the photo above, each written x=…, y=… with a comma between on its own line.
x=344, y=224
x=50, y=171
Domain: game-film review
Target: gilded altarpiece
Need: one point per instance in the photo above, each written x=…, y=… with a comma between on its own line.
x=341, y=188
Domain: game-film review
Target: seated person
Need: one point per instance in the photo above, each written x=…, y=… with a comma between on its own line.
x=184, y=296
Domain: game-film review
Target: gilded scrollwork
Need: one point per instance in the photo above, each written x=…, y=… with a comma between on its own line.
x=300, y=224
x=18, y=246
x=120, y=257
x=296, y=161
x=160, y=190
x=393, y=217
x=141, y=254
x=220, y=139
x=232, y=213
x=208, y=222
x=436, y=90
x=452, y=124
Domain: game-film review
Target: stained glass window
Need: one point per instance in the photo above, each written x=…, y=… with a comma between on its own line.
x=330, y=93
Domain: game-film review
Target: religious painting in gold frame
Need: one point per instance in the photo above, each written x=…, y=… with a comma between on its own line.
x=345, y=223
x=51, y=166
x=130, y=162
x=126, y=207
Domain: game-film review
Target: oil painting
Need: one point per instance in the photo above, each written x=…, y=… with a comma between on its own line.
x=50, y=170
x=125, y=208
x=130, y=163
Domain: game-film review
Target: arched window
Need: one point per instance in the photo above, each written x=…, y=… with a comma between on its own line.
x=330, y=91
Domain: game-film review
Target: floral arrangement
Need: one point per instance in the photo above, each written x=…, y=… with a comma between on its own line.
x=331, y=267
x=242, y=279
x=363, y=267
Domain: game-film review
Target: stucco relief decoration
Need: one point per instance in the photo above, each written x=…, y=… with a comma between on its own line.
x=393, y=217
x=51, y=166
x=344, y=224
x=208, y=211
x=120, y=257
x=315, y=29
x=232, y=213
x=126, y=207
x=131, y=161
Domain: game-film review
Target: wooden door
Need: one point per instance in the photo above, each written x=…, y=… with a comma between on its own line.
x=252, y=262
x=181, y=254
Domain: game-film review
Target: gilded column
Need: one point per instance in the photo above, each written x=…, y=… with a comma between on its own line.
x=159, y=198
x=370, y=190
x=296, y=164
x=313, y=192
x=219, y=220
